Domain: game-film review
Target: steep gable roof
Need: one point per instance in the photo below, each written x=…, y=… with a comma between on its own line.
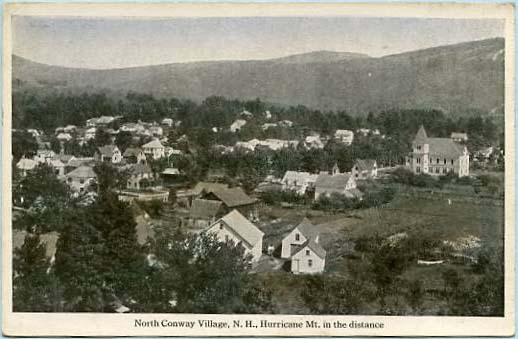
x=243, y=227
x=26, y=164
x=82, y=172
x=314, y=246
x=421, y=136
x=307, y=229
x=153, y=144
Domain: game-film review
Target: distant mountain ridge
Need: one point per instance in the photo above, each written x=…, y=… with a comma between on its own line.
x=452, y=78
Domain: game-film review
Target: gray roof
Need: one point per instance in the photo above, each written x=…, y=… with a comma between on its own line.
x=365, y=164
x=84, y=172
x=307, y=229
x=153, y=144
x=444, y=148
x=132, y=152
x=233, y=197
x=107, y=150
x=329, y=182
x=421, y=136
x=26, y=164
x=204, y=209
x=243, y=227
x=314, y=246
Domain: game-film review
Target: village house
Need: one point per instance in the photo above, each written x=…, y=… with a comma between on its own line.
x=108, y=153
x=134, y=155
x=313, y=142
x=268, y=125
x=186, y=197
x=69, y=129
x=156, y=131
x=204, y=212
x=63, y=137
x=365, y=169
x=267, y=115
x=302, y=246
x=58, y=166
x=167, y=122
x=459, y=137
x=80, y=178
x=140, y=176
x=154, y=149
x=437, y=156
x=44, y=155
x=238, y=229
x=298, y=182
x=90, y=133
x=340, y=183
x=35, y=133
x=25, y=165
x=285, y=123
x=234, y=199
x=344, y=136
x=246, y=114
x=237, y=125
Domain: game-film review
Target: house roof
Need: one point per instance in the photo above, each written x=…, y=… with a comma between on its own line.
x=56, y=163
x=171, y=171
x=314, y=246
x=207, y=187
x=233, y=197
x=421, y=136
x=444, y=148
x=153, y=144
x=107, y=150
x=84, y=172
x=243, y=227
x=299, y=176
x=332, y=182
x=26, y=164
x=64, y=158
x=307, y=229
x=365, y=164
x=132, y=152
x=204, y=209
x=48, y=239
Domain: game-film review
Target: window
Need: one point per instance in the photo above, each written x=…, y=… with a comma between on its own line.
x=437, y=170
x=69, y=179
x=419, y=147
x=310, y=263
x=297, y=237
x=226, y=238
x=220, y=226
x=307, y=252
x=445, y=161
x=438, y=160
x=452, y=161
x=81, y=181
x=418, y=169
x=418, y=160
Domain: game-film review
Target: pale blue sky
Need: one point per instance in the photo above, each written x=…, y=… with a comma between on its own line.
x=112, y=43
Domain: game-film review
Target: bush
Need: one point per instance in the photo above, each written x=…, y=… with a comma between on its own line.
x=153, y=208
x=277, y=197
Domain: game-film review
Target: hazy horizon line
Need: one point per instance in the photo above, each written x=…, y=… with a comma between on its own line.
x=194, y=61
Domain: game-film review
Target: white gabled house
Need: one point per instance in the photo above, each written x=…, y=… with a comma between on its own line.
x=108, y=153
x=365, y=169
x=302, y=246
x=235, y=227
x=154, y=149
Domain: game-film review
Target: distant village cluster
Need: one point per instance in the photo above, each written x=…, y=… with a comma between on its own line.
x=227, y=211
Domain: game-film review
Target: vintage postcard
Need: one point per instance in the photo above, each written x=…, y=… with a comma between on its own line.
x=258, y=169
